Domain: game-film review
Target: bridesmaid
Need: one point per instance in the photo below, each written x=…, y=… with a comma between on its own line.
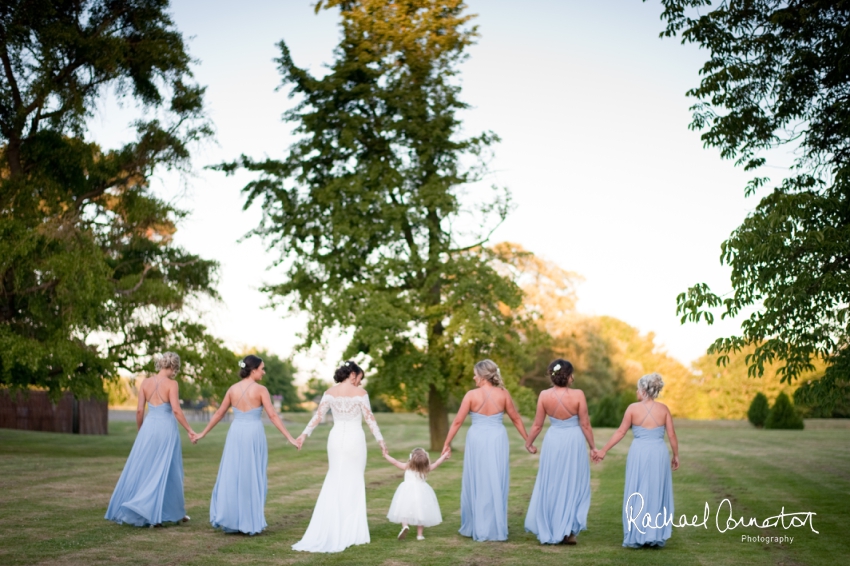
x=150, y=489
x=649, y=482
x=486, y=468
x=561, y=497
x=239, y=495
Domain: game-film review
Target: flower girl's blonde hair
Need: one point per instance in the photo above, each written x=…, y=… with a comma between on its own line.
x=419, y=462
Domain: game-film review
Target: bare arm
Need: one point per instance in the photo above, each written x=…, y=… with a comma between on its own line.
x=618, y=434
x=513, y=414
x=274, y=417
x=140, y=408
x=443, y=457
x=456, y=424
x=674, y=442
x=174, y=399
x=222, y=409
x=537, y=426
x=394, y=462
x=584, y=421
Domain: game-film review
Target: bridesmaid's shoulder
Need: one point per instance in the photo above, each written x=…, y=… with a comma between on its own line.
x=578, y=392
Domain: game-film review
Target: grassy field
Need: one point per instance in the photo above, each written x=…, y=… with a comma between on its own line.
x=54, y=490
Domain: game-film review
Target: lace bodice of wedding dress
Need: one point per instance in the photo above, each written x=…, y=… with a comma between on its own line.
x=345, y=409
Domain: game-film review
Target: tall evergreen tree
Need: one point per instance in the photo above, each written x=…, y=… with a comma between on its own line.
x=90, y=279
x=367, y=206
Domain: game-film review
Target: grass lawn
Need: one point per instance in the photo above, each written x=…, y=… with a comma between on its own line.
x=54, y=489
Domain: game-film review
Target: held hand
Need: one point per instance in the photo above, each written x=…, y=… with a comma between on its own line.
x=447, y=452
x=384, y=450
x=675, y=463
x=293, y=442
x=599, y=456
x=299, y=442
x=531, y=449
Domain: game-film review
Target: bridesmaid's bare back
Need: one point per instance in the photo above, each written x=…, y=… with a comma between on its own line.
x=563, y=403
x=488, y=401
x=156, y=390
x=246, y=395
x=649, y=415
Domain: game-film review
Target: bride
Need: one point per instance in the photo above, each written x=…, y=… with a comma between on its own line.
x=339, y=519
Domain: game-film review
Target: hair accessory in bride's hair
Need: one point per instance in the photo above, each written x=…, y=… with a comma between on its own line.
x=241, y=364
x=556, y=368
x=346, y=364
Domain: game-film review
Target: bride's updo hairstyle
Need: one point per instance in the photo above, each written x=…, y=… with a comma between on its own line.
x=487, y=369
x=651, y=384
x=561, y=372
x=248, y=364
x=344, y=371
x=167, y=360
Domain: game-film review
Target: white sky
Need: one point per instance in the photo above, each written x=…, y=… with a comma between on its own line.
x=590, y=105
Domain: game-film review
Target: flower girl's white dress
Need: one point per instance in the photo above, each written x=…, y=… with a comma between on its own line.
x=415, y=502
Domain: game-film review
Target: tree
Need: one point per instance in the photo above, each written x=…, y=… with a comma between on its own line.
x=759, y=408
x=279, y=377
x=315, y=388
x=368, y=207
x=783, y=415
x=90, y=279
x=777, y=77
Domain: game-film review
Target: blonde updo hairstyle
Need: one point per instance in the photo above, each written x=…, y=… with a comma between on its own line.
x=487, y=369
x=651, y=385
x=167, y=360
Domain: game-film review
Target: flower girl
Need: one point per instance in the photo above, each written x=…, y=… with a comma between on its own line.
x=414, y=502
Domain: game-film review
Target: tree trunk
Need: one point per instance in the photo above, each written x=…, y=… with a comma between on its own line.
x=438, y=419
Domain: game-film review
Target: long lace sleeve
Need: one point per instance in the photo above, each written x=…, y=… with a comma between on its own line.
x=324, y=405
x=366, y=409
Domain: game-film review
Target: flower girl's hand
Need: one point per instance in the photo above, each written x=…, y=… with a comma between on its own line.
x=447, y=451
x=384, y=451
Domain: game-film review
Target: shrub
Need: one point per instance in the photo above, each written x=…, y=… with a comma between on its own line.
x=758, y=410
x=783, y=415
x=609, y=411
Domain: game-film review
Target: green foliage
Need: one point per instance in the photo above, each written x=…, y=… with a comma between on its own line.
x=609, y=410
x=783, y=415
x=759, y=408
x=776, y=77
x=90, y=280
x=279, y=377
x=315, y=388
x=828, y=397
x=367, y=202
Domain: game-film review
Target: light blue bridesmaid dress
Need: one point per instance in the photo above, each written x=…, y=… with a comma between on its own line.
x=648, y=474
x=561, y=497
x=486, y=474
x=239, y=496
x=150, y=489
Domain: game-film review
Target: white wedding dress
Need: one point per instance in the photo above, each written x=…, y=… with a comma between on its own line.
x=339, y=518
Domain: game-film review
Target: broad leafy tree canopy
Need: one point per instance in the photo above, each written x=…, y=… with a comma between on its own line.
x=90, y=279
x=778, y=75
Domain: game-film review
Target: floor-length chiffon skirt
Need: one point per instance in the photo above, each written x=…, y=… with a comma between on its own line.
x=150, y=489
x=485, y=481
x=561, y=497
x=648, y=490
x=239, y=496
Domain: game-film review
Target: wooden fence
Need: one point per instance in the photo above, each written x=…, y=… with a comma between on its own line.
x=33, y=410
